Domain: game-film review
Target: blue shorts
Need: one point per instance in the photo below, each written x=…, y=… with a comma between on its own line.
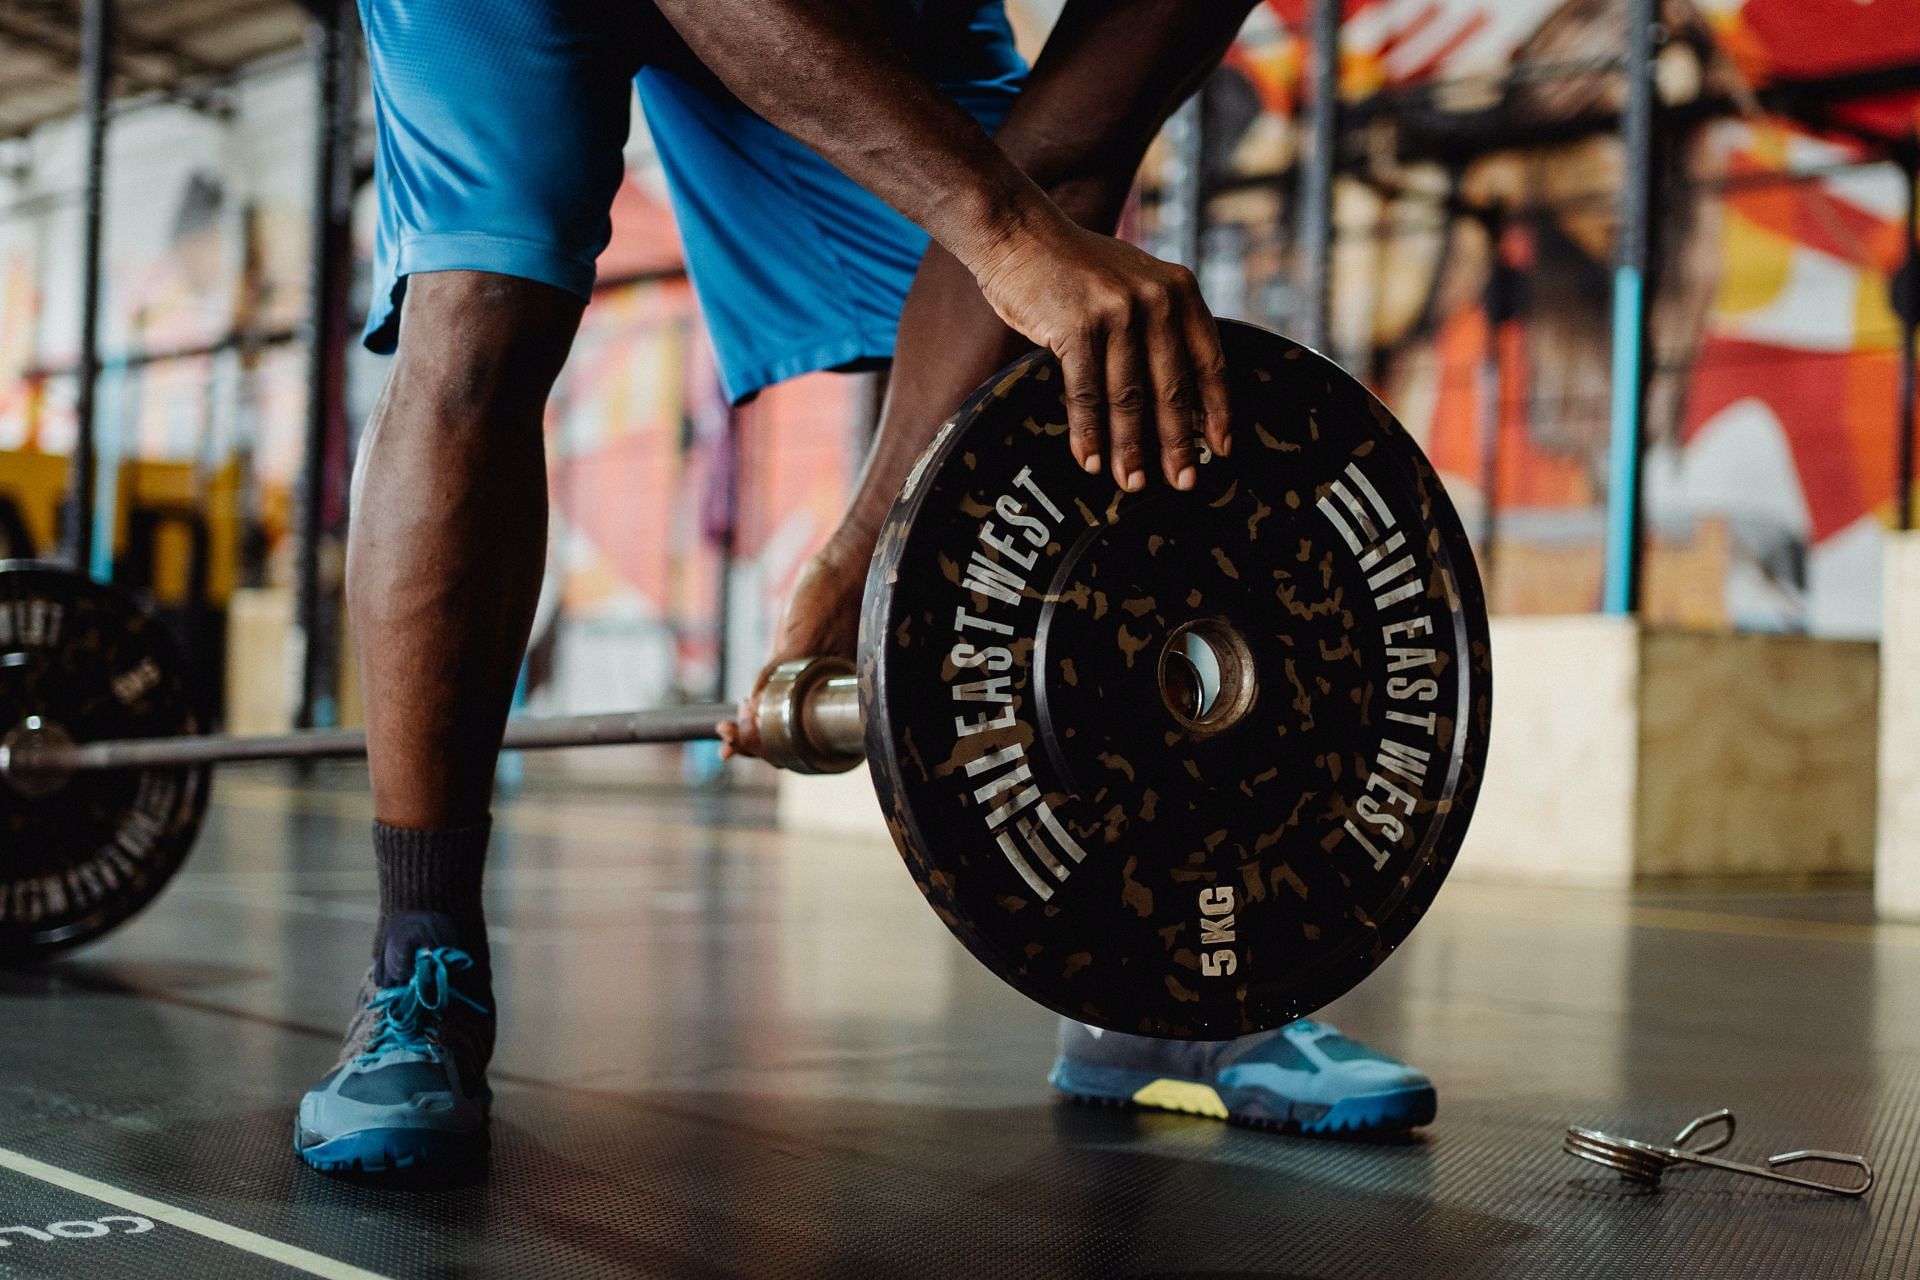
x=500, y=125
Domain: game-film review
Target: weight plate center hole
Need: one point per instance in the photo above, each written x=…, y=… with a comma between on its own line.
x=30, y=735
x=1207, y=677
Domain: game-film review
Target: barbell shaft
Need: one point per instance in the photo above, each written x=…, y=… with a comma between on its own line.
x=830, y=713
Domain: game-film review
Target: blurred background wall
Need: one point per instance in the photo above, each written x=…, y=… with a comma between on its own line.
x=1474, y=213
x=1475, y=221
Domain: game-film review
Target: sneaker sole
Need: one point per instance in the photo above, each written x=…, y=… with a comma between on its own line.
x=1362, y=1114
x=392, y=1151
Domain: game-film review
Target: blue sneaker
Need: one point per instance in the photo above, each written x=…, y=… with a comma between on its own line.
x=410, y=1089
x=1304, y=1078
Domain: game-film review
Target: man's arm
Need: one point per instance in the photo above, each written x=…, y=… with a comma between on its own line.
x=1111, y=73
x=1132, y=334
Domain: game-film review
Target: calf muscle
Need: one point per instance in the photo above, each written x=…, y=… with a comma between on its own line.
x=449, y=534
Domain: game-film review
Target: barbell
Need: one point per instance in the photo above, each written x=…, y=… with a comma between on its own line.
x=1186, y=764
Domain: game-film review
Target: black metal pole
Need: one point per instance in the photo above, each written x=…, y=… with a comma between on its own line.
x=723, y=586
x=1181, y=200
x=96, y=45
x=1633, y=261
x=1316, y=178
x=1498, y=301
x=1909, y=306
x=329, y=39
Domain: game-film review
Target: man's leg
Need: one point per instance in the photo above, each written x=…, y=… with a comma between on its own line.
x=949, y=343
x=449, y=537
x=444, y=561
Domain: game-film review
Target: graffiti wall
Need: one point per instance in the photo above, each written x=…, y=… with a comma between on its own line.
x=1475, y=227
x=1475, y=231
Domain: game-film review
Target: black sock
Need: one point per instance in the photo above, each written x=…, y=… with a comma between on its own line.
x=432, y=878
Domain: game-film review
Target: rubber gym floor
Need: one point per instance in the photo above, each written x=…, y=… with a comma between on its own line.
x=728, y=1051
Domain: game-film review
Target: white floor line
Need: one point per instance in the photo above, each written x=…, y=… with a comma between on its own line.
x=235, y=1237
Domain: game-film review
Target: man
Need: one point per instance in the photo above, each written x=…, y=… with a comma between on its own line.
x=812, y=147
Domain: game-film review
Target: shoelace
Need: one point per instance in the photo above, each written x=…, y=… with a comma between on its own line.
x=410, y=1014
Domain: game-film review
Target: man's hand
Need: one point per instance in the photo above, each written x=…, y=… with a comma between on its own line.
x=1143, y=363
x=1144, y=369
x=822, y=620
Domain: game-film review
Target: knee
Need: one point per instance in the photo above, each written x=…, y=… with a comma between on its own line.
x=476, y=346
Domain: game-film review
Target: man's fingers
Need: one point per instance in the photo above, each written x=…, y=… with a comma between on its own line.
x=740, y=736
x=1174, y=400
x=1129, y=390
x=1209, y=363
x=1128, y=393
x=1083, y=369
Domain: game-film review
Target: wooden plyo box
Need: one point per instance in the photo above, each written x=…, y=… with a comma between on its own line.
x=1624, y=753
x=262, y=665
